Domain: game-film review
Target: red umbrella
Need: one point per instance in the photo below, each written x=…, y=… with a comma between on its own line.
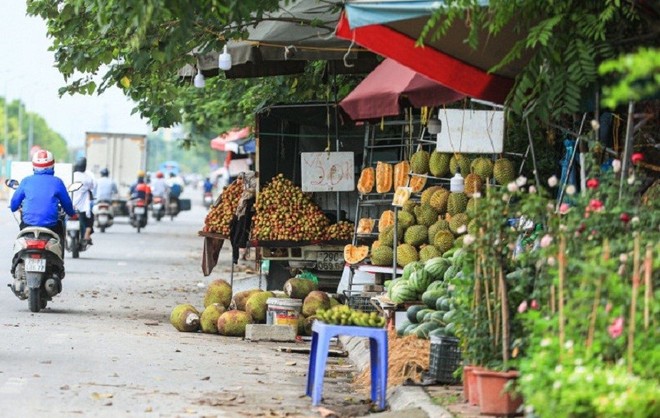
x=380, y=93
x=228, y=140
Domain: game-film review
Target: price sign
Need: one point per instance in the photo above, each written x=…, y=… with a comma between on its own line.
x=327, y=171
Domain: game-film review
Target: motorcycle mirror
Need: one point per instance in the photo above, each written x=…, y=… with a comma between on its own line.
x=11, y=183
x=74, y=186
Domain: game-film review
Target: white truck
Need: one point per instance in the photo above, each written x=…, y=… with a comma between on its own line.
x=122, y=154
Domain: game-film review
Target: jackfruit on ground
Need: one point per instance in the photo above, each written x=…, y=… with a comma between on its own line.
x=439, y=200
x=185, y=318
x=439, y=164
x=428, y=252
x=208, y=321
x=256, y=306
x=314, y=301
x=382, y=256
x=456, y=221
x=419, y=162
x=416, y=235
x=483, y=167
x=406, y=253
x=426, y=215
x=443, y=240
x=218, y=291
x=240, y=298
x=232, y=323
x=503, y=171
x=457, y=203
x=473, y=184
x=406, y=219
x=459, y=161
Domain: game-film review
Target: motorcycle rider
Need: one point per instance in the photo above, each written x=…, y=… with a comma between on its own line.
x=175, y=184
x=40, y=195
x=159, y=186
x=141, y=190
x=208, y=186
x=106, y=188
x=83, y=198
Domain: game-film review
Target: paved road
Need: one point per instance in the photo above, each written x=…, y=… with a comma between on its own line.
x=104, y=347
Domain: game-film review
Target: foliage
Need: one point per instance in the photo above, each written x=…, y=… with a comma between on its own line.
x=565, y=42
x=639, y=77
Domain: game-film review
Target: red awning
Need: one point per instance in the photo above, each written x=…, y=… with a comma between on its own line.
x=381, y=92
x=228, y=140
x=447, y=69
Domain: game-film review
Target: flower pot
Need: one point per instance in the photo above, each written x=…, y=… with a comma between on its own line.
x=467, y=373
x=473, y=390
x=493, y=400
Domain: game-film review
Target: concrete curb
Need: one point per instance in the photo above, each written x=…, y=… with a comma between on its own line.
x=400, y=398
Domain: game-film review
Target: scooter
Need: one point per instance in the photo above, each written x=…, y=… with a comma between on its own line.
x=173, y=207
x=103, y=215
x=138, y=217
x=75, y=244
x=37, y=264
x=158, y=208
x=207, y=199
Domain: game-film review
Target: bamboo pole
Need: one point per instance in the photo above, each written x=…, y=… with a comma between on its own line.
x=561, y=259
x=487, y=291
x=648, y=285
x=633, y=303
x=594, y=307
x=505, y=317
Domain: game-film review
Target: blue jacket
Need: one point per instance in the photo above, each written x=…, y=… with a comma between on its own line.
x=40, y=194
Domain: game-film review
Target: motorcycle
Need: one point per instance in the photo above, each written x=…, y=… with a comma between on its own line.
x=103, y=215
x=173, y=208
x=158, y=208
x=37, y=264
x=207, y=199
x=75, y=243
x=138, y=216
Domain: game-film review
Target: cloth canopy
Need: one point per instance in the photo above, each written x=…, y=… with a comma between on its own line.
x=382, y=91
x=392, y=28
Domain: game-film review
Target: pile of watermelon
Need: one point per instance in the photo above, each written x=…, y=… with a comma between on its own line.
x=428, y=284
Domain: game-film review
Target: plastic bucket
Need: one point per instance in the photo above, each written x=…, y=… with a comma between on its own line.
x=282, y=311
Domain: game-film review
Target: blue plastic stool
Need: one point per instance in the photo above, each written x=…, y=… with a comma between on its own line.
x=321, y=335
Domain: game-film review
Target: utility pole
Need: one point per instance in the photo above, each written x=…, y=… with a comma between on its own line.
x=20, y=130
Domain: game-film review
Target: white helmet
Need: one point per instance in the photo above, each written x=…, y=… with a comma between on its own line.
x=43, y=160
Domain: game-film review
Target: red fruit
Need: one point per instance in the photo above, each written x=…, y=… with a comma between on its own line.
x=637, y=157
x=592, y=183
x=624, y=217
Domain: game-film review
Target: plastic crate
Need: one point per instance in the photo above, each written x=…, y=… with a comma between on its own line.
x=445, y=359
x=362, y=303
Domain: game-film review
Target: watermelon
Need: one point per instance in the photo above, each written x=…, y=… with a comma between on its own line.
x=409, y=329
x=402, y=292
x=438, y=332
x=412, y=312
x=409, y=268
x=387, y=284
x=450, y=273
x=443, y=304
x=422, y=313
x=423, y=330
x=437, y=266
x=428, y=316
x=400, y=328
x=420, y=279
x=448, y=316
x=437, y=285
x=450, y=329
x=437, y=317
x=431, y=296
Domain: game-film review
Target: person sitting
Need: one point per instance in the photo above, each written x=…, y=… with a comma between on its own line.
x=159, y=186
x=106, y=188
x=83, y=199
x=40, y=196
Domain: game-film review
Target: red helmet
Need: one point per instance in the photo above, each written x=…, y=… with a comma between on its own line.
x=43, y=160
x=159, y=175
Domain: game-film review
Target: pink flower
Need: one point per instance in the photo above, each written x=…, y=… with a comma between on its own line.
x=552, y=181
x=522, y=307
x=616, y=328
x=595, y=205
x=592, y=183
x=534, y=304
x=616, y=165
x=563, y=208
x=546, y=241
x=624, y=217
x=637, y=158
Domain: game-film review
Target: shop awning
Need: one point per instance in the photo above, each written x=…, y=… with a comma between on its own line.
x=392, y=28
x=391, y=86
x=236, y=140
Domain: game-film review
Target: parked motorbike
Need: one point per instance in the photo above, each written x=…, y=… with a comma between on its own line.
x=207, y=199
x=37, y=264
x=104, y=215
x=75, y=243
x=158, y=208
x=138, y=216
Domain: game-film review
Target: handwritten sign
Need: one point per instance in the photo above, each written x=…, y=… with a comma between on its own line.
x=327, y=171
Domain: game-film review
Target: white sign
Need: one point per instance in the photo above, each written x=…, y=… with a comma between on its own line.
x=327, y=171
x=471, y=131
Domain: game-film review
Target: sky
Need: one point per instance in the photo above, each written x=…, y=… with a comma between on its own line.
x=27, y=72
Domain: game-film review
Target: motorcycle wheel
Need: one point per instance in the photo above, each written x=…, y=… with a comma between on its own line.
x=75, y=247
x=138, y=228
x=34, y=300
x=102, y=228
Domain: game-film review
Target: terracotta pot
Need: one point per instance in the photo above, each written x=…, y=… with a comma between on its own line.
x=467, y=373
x=493, y=400
x=473, y=390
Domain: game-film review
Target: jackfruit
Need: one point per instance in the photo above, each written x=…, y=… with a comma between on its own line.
x=208, y=321
x=443, y=240
x=232, y=323
x=456, y=221
x=483, y=167
x=410, y=206
x=386, y=236
x=382, y=256
x=439, y=164
x=503, y=171
x=406, y=253
x=457, y=203
x=185, y=318
x=473, y=227
x=419, y=162
x=473, y=184
x=428, y=252
x=428, y=193
x=416, y=235
x=256, y=306
x=441, y=225
x=218, y=291
x=439, y=200
x=315, y=300
x=406, y=219
x=459, y=161
x=471, y=208
x=426, y=215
